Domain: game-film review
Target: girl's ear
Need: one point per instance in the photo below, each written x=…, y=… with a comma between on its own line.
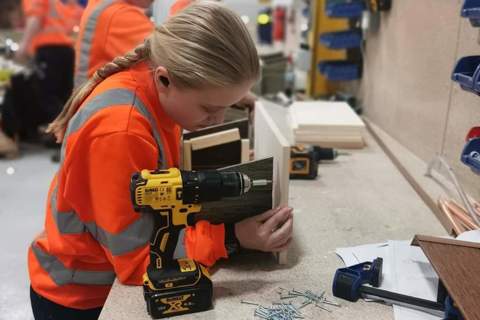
x=162, y=79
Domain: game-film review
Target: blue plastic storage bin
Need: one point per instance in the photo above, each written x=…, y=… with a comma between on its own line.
x=467, y=73
x=471, y=155
x=471, y=10
x=344, y=8
x=342, y=39
x=340, y=70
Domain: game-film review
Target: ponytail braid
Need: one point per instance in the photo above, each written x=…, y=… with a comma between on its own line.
x=58, y=126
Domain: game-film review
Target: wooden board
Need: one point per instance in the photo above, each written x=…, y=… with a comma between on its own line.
x=241, y=124
x=216, y=150
x=269, y=141
x=255, y=202
x=457, y=264
x=326, y=122
x=218, y=156
x=215, y=139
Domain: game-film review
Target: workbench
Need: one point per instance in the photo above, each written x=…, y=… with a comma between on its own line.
x=358, y=199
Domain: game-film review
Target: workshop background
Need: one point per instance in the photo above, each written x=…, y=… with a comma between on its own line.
x=399, y=79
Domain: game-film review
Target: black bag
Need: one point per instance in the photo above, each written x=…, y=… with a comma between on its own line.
x=20, y=111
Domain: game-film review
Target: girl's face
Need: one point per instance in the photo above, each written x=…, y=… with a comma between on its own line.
x=194, y=109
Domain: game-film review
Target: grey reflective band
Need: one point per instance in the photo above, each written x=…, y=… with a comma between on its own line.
x=108, y=99
x=67, y=222
x=136, y=235
x=62, y=275
x=52, y=12
x=81, y=72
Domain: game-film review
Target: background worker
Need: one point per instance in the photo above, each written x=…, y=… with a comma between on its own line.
x=109, y=28
x=73, y=15
x=128, y=117
x=48, y=40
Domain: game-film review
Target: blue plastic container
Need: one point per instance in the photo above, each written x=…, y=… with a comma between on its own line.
x=340, y=70
x=471, y=10
x=344, y=8
x=467, y=73
x=342, y=39
x=471, y=155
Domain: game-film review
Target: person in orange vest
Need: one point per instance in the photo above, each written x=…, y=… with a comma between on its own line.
x=47, y=39
x=179, y=5
x=73, y=15
x=109, y=28
x=129, y=117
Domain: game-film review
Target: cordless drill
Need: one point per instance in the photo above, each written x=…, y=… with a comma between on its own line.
x=179, y=286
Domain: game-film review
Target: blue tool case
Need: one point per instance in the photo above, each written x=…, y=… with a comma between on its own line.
x=344, y=8
x=339, y=70
x=471, y=10
x=342, y=39
x=467, y=73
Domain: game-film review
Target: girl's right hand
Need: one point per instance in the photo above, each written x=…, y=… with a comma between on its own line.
x=270, y=231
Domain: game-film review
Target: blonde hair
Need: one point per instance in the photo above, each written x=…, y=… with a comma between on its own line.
x=205, y=45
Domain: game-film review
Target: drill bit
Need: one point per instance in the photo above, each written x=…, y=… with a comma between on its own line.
x=261, y=182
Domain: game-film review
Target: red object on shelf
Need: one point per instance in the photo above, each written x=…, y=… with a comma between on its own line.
x=279, y=18
x=473, y=133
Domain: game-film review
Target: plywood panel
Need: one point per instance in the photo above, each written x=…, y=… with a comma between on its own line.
x=408, y=61
x=242, y=126
x=464, y=113
x=269, y=141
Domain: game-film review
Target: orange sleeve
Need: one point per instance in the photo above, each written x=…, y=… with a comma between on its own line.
x=178, y=6
x=35, y=7
x=128, y=28
x=98, y=187
x=205, y=242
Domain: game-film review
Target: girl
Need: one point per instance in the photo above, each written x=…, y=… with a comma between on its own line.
x=126, y=118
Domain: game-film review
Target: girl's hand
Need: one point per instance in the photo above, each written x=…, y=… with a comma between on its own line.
x=270, y=231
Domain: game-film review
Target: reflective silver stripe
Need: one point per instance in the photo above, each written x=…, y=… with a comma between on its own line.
x=81, y=72
x=62, y=275
x=67, y=222
x=52, y=4
x=108, y=99
x=136, y=234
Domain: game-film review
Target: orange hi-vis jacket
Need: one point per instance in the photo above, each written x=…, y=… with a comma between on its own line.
x=73, y=15
x=179, y=5
x=53, y=29
x=92, y=234
x=109, y=28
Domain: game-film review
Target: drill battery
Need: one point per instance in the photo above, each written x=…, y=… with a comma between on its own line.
x=169, y=292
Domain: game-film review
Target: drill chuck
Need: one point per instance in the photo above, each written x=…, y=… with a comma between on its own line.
x=204, y=186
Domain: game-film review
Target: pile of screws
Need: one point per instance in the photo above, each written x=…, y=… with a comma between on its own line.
x=319, y=300
x=288, y=311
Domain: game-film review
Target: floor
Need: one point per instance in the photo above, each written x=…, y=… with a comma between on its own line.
x=23, y=188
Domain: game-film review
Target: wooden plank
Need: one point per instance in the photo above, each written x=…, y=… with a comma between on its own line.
x=187, y=155
x=245, y=150
x=255, y=202
x=217, y=156
x=214, y=139
x=457, y=264
x=269, y=141
x=241, y=124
